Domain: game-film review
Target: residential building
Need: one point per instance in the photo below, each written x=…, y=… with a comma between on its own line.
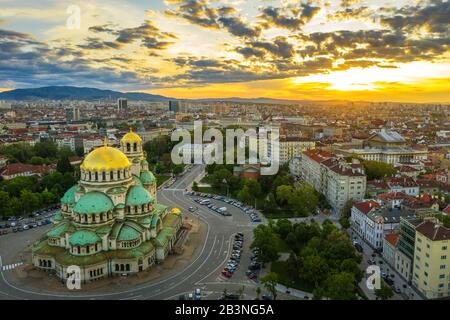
x=404, y=255
x=338, y=180
x=389, y=247
x=14, y=170
x=371, y=221
x=291, y=147
x=431, y=271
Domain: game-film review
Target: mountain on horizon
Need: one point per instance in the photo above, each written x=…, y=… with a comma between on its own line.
x=75, y=93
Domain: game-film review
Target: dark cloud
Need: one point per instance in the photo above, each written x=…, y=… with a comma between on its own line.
x=147, y=33
x=435, y=17
x=291, y=18
x=238, y=28
x=199, y=12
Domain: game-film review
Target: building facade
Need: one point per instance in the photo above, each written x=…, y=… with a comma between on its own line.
x=110, y=223
x=338, y=180
x=431, y=270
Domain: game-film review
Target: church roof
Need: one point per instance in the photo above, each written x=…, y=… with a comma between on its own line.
x=93, y=202
x=83, y=237
x=69, y=196
x=137, y=195
x=128, y=233
x=147, y=177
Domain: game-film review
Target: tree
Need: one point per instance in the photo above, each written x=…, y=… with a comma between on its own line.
x=340, y=286
x=5, y=210
x=64, y=165
x=384, y=293
x=270, y=204
x=245, y=196
x=178, y=169
x=314, y=269
x=378, y=170
x=264, y=239
x=270, y=281
x=195, y=186
x=258, y=292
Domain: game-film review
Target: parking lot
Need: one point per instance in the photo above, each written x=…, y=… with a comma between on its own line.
x=19, y=224
x=205, y=200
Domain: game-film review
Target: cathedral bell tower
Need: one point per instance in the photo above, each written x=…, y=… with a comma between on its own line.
x=131, y=145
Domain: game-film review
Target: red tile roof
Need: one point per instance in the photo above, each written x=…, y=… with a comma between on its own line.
x=392, y=238
x=16, y=168
x=367, y=206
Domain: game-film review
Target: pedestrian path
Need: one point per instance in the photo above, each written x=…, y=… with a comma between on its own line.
x=11, y=266
x=293, y=292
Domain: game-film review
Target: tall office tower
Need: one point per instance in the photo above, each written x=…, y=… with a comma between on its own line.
x=76, y=114
x=174, y=106
x=122, y=104
x=69, y=115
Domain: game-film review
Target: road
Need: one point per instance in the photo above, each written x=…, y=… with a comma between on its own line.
x=407, y=292
x=202, y=272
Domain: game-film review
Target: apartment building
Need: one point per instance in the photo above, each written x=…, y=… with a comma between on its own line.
x=291, y=147
x=431, y=271
x=371, y=221
x=338, y=180
x=404, y=254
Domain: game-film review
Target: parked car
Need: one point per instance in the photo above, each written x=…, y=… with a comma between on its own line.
x=358, y=247
x=198, y=294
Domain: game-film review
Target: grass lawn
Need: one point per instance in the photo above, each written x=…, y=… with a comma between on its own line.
x=160, y=179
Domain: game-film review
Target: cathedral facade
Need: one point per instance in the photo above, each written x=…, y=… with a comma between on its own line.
x=110, y=223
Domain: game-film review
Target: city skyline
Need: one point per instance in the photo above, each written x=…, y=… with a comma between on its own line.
x=348, y=50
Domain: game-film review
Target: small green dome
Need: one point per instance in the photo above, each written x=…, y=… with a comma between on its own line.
x=84, y=237
x=93, y=202
x=128, y=233
x=144, y=162
x=69, y=196
x=147, y=177
x=137, y=195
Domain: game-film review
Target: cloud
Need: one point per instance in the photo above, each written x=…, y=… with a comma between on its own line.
x=435, y=17
x=148, y=34
x=291, y=18
x=200, y=12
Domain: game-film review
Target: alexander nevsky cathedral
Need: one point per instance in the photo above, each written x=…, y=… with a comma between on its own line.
x=110, y=222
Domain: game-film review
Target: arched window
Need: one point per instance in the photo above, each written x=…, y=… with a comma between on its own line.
x=128, y=267
x=78, y=249
x=90, y=175
x=117, y=267
x=103, y=175
x=135, y=147
x=128, y=147
x=118, y=174
x=87, y=249
x=111, y=176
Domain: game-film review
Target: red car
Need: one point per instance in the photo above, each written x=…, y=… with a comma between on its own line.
x=226, y=273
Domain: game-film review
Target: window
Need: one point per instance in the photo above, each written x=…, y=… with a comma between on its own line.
x=443, y=257
x=442, y=266
x=442, y=276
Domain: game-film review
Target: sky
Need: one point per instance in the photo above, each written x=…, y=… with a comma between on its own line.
x=374, y=50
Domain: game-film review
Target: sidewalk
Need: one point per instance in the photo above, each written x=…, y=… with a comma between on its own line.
x=293, y=292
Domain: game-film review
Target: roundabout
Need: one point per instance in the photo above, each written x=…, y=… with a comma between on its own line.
x=201, y=271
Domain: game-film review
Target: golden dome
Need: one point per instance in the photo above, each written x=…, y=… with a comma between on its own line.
x=176, y=211
x=105, y=158
x=131, y=137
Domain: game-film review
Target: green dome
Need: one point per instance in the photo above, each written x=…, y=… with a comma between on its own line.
x=84, y=237
x=147, y=177
x=144, y=162
x=137, y=195
x=93, y=202
x=69, y=196
x=128, y=233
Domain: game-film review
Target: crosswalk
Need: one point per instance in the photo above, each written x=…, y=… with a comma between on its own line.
x=11, y=266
